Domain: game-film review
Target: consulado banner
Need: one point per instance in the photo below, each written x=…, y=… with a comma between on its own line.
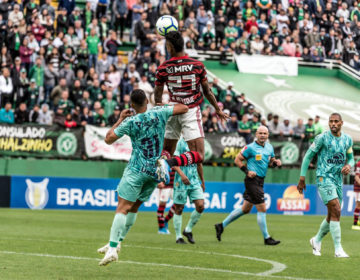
x=40, y=141
x=99, y=194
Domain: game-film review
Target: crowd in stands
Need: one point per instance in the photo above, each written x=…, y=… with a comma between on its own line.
x=60, y=63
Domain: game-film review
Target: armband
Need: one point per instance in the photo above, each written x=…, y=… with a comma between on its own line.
x=244, y=169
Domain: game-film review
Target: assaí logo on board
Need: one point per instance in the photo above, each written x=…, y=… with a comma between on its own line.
x=293, y=201
x=36, y=194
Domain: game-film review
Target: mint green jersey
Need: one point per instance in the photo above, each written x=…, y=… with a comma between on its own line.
x=331, y=153
x=146, y=132
x=190, y=171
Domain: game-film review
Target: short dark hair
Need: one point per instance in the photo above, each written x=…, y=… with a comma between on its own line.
x=336, y=114
x=138, y=97
x=176, y=40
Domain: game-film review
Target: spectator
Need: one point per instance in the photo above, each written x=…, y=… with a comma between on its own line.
x=59, y=117
x=65, y=104
x=120, y=9
x=299, y=130
x=257, y=45
x=274, y=127
x=6, y=114
x=245, y=130
x=69, y=5
x=34, y=114
x=37, y=73
x=50, y=80
x=67, y=73
x=33, y=94
x=45, y=117
x=231, y=32
x=355, y=62
x=310, y=130
x=254, y=124
x=99, y=119
x=57, y=91
x=233, y=123
x=86, y=117
x=108, y=104
x=21, y=114
x=318, y=126
x=111, y=45
x=113, y=118
x=69, y=122
x=6, y=87
x=286, y=128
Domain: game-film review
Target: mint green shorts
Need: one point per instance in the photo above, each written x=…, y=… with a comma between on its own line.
x=193, y=192
x=136, y=186
x=329, y=190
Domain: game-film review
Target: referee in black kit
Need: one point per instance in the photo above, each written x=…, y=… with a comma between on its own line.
x=259, y=156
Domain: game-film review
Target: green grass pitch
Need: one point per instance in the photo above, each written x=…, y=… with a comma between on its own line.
x=53, y=244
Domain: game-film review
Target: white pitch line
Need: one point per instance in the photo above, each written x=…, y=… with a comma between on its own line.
x=276, y=266
x=156, y=264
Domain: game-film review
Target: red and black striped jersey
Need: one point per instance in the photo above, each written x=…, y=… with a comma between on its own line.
x=171, y=183
x=357, y=173
x=183, y=77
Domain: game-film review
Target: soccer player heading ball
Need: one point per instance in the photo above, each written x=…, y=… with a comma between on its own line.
x=335, y=159
x=184, y=76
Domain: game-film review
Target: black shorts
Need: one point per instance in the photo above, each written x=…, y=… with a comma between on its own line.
x=254, y=190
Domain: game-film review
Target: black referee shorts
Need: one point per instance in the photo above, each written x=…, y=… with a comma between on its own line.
x=254, y=190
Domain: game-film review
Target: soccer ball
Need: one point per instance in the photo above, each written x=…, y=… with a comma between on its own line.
x=166, y=24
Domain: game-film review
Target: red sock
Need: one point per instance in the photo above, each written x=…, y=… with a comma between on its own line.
x=160, y=216
x=356, y=215
x=170, y=214
x=185, y=159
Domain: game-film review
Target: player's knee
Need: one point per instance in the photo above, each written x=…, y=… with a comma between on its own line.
x=179, y=209
x=246, y=210
x=200, y=208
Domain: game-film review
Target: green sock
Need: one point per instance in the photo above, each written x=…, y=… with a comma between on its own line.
x=130, y=220
x=194, y=218
x=117, y=227
x=335, y=230
x=323, y=230
x=177, y=225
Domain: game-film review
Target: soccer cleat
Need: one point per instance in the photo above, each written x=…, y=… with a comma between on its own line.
x=163, y=230
x=110, y=256
x=219, y=228
x=270, y=241
x=180, y=241
x=340, y=253
x=163, y=171
x=167, y=227
x=105, y=248
x=189, y=237
x=316, y=246
x=355, y=227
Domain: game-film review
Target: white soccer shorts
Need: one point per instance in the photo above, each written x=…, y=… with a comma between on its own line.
x=165, y=194
x=357, y=196
x=188, y=124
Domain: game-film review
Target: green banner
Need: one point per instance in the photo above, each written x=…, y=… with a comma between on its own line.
x=40, y=141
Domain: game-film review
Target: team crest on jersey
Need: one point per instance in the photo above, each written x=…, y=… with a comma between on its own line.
x=36, y=194
x=170, y=70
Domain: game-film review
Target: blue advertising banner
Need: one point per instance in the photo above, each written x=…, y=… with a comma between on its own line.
x=99, y=194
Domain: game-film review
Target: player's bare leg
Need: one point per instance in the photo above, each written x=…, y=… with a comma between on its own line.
x=334, y=209
x=170, y=145
x=198, y=146
x=356, y=225
x=194, y=218
x=118, y=226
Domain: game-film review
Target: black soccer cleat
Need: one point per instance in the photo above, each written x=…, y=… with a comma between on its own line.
x=180, y=241
x=219, y=230
x=189, y=237
x=270, y=241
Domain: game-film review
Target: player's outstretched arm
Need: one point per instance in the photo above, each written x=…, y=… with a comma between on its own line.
x=158, y=92
x=304, y=167
x=350, y=162
x=209, y=95
x=180, y=109
x=111, y=137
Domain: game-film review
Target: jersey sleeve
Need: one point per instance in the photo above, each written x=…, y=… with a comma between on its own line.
x=160, y=76
x=246, y=152
x=203, y=74
x=123, y=128
x=164, y=112
x=317, y=144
